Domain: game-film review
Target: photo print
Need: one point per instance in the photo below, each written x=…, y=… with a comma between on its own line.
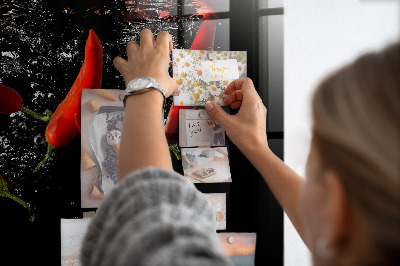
x=101, y=119
x=218, y=201
x=240, y=248
x=206, y=165
x=198, y=129
x=204, y=75
x=72, y=233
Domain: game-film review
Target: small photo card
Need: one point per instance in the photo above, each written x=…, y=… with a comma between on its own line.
x=204, y=75
x=218, y=201
x=102, y=114
x=206, y=165
x=72, y=233
x=198, y=129
x=240, y=248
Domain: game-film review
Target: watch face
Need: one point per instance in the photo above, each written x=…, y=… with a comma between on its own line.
x=140, y=83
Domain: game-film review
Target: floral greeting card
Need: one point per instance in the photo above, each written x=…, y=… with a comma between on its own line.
x=204, y=75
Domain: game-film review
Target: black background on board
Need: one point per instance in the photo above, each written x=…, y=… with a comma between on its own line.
x=251, y=205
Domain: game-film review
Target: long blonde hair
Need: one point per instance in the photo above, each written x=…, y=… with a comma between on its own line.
x=356, y=113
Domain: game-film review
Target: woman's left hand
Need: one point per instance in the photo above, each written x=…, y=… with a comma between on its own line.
x=149, y=59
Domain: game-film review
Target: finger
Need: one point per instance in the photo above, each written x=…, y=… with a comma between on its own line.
x=164, y=41
x=119, y=63
x=235, y=96
x=177, y=92
x=147, y=41
x=231, y=87
x=236, y=105
x=131, y=48
x=245, y=85
x=218, y=113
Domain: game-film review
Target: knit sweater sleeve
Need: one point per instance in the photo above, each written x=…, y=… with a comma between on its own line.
x=153, y=217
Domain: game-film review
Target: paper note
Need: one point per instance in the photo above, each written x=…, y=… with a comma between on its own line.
x=218, y=70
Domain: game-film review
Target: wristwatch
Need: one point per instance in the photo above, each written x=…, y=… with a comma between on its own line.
x=141, y=85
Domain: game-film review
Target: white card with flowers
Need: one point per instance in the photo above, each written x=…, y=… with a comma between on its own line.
x=204, y=75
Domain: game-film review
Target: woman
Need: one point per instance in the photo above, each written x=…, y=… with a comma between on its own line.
x=218, y=131
x=349, y=204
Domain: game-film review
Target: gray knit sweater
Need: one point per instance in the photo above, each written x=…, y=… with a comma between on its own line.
x=153, y=217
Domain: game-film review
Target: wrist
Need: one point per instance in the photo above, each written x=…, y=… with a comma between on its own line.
x=146, y=99
x=257, y=147
x=142, y=85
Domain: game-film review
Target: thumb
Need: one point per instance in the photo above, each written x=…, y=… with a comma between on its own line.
x=218, y=113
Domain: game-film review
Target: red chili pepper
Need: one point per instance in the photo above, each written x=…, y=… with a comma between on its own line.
x=205, y=37
x=64, y=124
x=10, y=100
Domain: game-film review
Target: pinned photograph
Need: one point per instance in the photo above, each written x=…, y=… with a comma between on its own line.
x=198, y=129
x=239, y=247
x=72, y=233
x=101, y=125
x=206, y=165
x=218, y=201
x=204, y=75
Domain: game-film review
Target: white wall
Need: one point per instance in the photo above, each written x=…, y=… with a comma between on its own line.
x=320, y=36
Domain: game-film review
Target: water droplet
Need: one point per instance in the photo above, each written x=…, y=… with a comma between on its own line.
x=22, y=125
x=38, y=140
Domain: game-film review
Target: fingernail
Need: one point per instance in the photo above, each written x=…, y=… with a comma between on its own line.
x=179, y=90
x=209, y=106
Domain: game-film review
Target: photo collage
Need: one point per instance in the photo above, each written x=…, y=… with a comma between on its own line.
x=202, y=147
x=203, y=76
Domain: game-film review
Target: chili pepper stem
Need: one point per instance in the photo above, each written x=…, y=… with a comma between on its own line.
x=174, y=148
x=49, y=150
x=5, y=193
x=45, y=117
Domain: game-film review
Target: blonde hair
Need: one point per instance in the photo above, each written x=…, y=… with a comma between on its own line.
x=356, y=113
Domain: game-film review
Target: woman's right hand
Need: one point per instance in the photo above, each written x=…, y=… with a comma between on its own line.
x=247, y=128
